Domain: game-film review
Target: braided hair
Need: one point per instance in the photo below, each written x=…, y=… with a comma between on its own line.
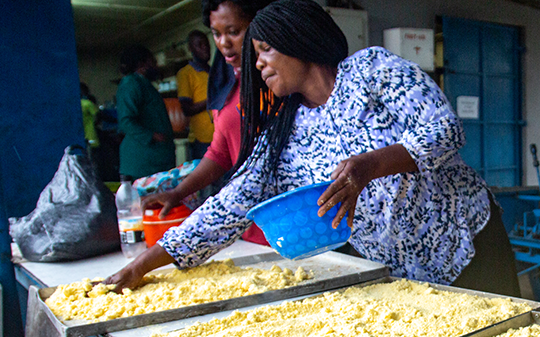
x=298, y=28
x=249, y=7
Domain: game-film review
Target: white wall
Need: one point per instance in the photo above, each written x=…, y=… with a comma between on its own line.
x=97, y=70
x=178, y=35
x=421, y=14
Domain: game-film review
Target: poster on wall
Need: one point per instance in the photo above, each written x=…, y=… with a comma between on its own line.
x=468, y=107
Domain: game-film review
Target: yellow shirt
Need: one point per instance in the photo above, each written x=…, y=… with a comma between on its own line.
x=193, y=84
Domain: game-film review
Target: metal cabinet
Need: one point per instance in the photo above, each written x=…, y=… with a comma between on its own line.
x=354, y=24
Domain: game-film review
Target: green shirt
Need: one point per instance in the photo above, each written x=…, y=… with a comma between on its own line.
x=141, y=113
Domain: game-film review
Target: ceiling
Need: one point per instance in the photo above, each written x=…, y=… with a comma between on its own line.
x=114, y=24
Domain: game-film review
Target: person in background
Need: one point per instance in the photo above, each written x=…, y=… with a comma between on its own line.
x=90, y=113
x=374, y=123
x=148, y=144
x=228, y=21
x=192, y=82
x=90, y=116
x=109, y=143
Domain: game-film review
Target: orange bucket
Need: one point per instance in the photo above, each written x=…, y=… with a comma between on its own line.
x=154, y=227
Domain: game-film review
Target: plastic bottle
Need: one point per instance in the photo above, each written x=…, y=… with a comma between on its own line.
x=129, y=213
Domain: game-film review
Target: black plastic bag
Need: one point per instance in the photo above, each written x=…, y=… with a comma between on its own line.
x=75, y=216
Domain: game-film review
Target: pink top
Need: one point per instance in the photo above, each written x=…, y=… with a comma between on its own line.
x=225, y=146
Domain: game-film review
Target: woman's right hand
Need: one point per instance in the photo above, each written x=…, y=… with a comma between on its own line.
x=131, y=275
x=167, y=200
x=128, y=277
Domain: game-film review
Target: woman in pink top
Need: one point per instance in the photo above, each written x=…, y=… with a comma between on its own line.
x=228, y=20
x=225, y=147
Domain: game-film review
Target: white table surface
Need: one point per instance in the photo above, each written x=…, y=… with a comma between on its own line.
x=56, y=273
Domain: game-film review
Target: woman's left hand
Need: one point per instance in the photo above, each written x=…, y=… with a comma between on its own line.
x=351, y=176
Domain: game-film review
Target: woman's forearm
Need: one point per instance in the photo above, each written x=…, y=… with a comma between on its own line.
x=391, y=160
x=207, y=172
x=155, y=257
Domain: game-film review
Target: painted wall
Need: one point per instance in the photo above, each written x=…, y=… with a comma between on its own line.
x=179, y=36
x=422, y=13
x=98, y=70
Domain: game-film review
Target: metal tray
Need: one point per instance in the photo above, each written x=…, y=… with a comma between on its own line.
x=490, y=331
x=331, y=270
x=523, y=320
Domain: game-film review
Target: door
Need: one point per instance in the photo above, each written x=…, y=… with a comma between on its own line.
x=482, y=67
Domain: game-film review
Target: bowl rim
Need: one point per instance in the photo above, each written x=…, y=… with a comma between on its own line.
x=260, y=205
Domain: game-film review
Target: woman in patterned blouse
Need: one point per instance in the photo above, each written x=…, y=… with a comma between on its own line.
x=377, y=125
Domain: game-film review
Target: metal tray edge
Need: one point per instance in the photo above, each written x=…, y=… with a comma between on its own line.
x=138, y=321
x=516, y=322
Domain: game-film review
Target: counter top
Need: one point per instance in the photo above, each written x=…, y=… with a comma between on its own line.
x=51, y=274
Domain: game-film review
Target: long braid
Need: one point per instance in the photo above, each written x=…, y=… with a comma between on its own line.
x=297, y=28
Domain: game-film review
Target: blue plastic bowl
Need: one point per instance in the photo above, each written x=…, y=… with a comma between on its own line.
x=292, y=227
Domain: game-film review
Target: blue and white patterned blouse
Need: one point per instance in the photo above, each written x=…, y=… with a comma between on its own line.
x=420, y=224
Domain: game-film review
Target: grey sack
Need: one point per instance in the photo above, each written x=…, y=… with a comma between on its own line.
x=75, y=216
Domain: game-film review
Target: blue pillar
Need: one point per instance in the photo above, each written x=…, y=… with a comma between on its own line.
x=12, y=319
x=40, y=115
